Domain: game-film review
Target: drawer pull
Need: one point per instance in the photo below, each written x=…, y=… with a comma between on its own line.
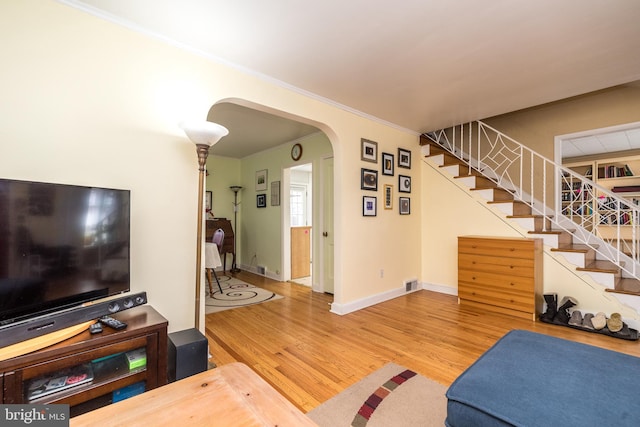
x=512, y=284
x=512, y=266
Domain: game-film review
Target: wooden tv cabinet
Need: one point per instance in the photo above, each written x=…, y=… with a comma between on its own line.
x=146, y=328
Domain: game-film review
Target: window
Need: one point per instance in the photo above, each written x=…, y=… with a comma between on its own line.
x=298, y=204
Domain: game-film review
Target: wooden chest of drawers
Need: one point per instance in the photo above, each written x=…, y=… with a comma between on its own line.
x=502, y=275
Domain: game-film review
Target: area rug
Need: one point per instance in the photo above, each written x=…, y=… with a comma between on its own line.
x=391, y=396
x=236, y=293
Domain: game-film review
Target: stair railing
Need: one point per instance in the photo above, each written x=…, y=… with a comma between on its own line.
x=597, y=217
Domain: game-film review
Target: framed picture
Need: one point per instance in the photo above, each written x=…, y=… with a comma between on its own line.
x=261, y=200
x=369, y=150
x=387, y=164
x=405, y=206
x=261, y=180
x=404, y=158
x=275, y=193
x=404, y=184
x=369, y=206
x=208, y=204
x=368, y=179
x=208, y=201
x=388, y=196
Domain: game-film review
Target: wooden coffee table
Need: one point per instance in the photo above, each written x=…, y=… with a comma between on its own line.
x=230, y=395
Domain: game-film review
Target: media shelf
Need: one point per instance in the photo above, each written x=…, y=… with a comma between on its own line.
x=101, y=357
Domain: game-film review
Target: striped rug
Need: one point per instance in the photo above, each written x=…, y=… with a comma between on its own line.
x=391, y=396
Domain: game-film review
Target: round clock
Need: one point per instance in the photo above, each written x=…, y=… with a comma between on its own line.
x=296, y=152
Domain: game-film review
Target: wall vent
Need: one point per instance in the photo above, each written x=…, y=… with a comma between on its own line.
x=262, y=270
x=411, y=285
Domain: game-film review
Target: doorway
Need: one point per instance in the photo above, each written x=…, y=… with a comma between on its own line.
x=301, y=223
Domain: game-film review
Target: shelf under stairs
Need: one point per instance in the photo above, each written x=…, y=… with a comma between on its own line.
x=583, y=257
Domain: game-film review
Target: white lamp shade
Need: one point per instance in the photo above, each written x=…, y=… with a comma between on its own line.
x=204, y=133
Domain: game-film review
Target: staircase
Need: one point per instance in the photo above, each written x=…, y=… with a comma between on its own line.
x=491, y=180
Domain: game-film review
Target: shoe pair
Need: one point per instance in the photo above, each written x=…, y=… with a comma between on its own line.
x=597, y=322
x=563, y=316
x=557, y=314
x=589, y=321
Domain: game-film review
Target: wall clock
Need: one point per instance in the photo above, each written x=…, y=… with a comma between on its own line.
x=296, y=152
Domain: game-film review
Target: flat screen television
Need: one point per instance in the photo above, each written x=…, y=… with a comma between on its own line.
x=60, y=246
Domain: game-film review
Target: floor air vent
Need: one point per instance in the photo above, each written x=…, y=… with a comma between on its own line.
x=411, y=285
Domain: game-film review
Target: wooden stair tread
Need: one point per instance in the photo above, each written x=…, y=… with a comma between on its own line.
x=474, y=173
x=482, y=187
x=601, y=266
x=546, y=232
x=515, y=202
x=628, y=286
x=572, y=248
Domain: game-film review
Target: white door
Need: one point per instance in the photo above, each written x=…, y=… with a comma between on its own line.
x=327, y=225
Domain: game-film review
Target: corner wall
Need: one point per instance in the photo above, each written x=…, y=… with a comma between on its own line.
x=86, y=101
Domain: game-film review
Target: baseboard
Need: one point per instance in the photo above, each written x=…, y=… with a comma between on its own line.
x=440, y=289
x=254, y=270
x=353, y=306
x=368, y=301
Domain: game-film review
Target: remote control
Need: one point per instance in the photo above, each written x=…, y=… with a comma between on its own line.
x=112, y=323
x=96, y=328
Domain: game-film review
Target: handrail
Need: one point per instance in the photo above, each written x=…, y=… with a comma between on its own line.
x=597, y=217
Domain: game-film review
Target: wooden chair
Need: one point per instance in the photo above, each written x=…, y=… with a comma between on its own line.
x=212, y=261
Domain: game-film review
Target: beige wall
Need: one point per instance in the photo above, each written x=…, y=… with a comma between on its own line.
x=85, y=101
x=537, y=127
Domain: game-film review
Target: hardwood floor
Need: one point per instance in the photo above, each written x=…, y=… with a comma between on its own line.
x=309, y=354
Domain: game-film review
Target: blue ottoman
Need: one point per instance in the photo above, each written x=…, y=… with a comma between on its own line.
x=530, y=379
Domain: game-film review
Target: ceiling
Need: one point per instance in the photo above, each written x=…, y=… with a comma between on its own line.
x=419, y=65
x=608, y=142
x=252, y=131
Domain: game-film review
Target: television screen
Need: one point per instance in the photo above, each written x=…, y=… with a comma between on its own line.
x=60, y=246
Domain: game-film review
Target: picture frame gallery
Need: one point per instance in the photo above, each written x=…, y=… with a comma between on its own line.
x=369, y=178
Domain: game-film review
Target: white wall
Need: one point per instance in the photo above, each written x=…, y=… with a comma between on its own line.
x=85, y=101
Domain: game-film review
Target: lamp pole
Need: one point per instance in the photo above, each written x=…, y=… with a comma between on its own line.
x=203, y=135
x=235, y=189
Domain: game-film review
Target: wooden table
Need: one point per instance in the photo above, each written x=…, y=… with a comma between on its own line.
x=230, y=395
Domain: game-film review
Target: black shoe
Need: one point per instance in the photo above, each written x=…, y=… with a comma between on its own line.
x=563, y=316
x=552, y=307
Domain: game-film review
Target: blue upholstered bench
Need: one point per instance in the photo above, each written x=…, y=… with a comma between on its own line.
x=530, y=379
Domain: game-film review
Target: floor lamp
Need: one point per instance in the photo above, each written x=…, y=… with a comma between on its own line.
x=235, y=189
x=204, y=135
